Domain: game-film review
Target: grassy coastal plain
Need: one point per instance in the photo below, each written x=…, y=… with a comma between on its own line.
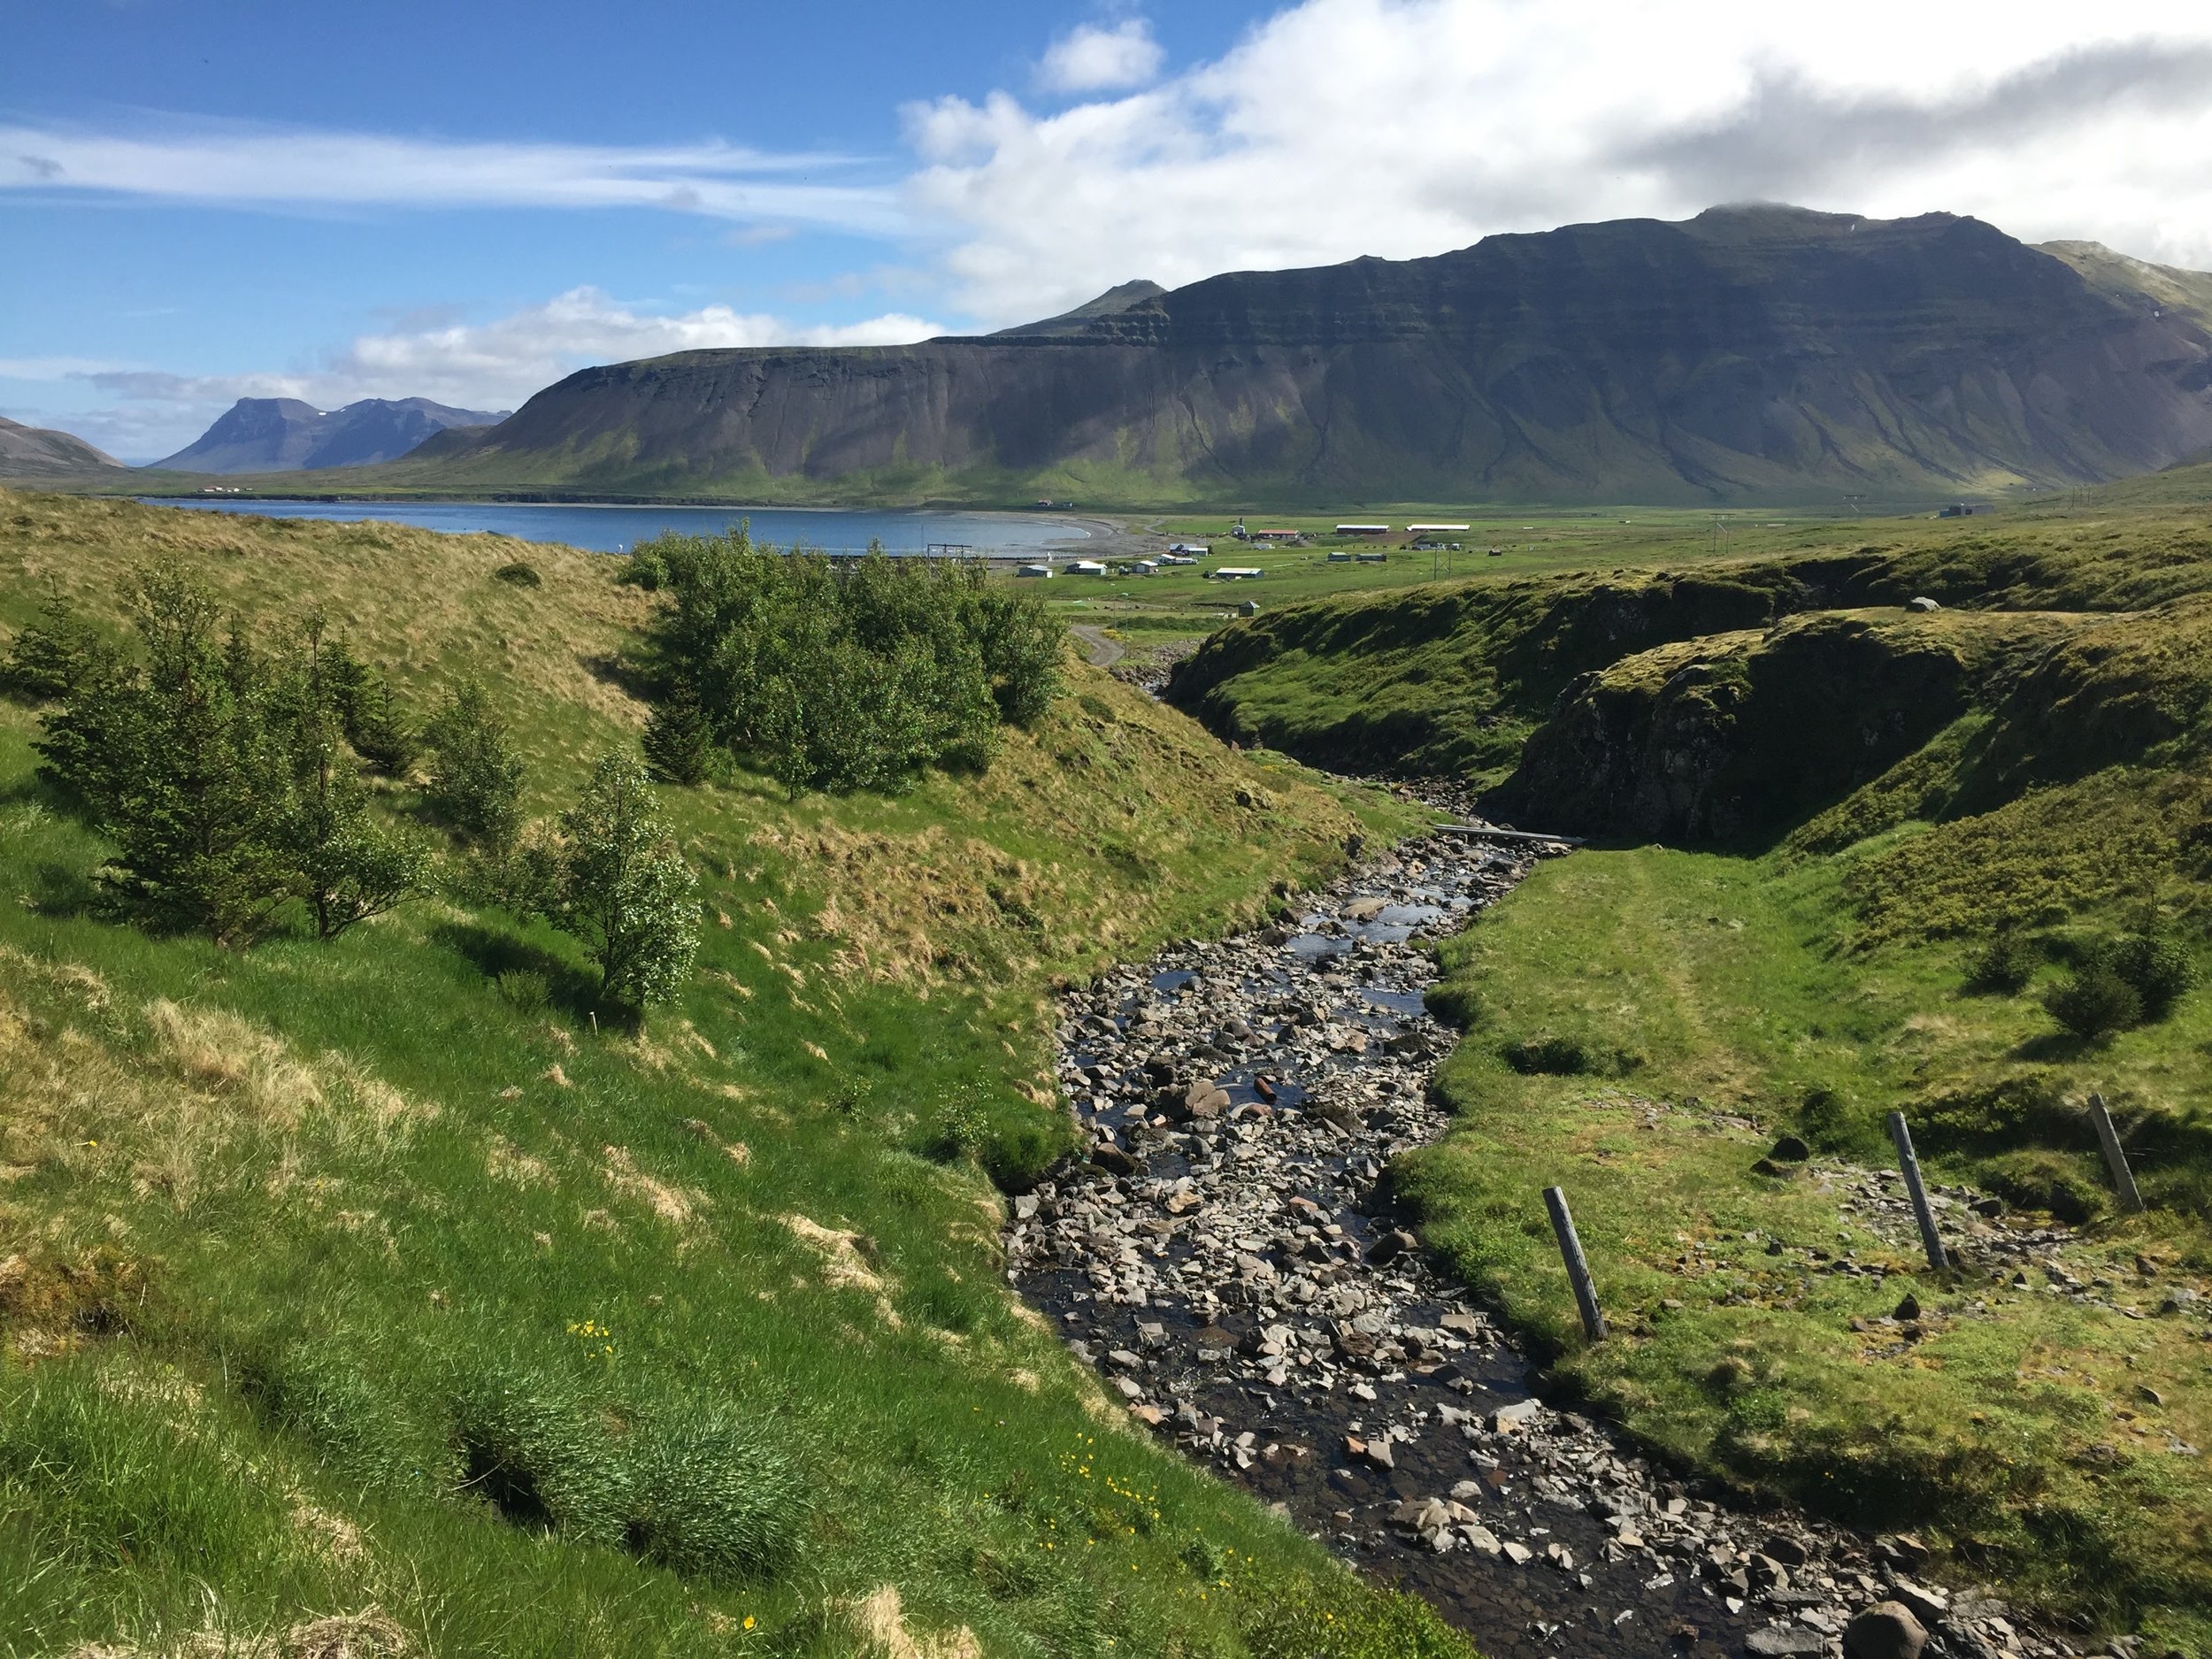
x=1846, y=857
x=380, y=1291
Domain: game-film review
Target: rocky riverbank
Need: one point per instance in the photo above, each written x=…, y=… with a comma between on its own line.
x=1227, y=1256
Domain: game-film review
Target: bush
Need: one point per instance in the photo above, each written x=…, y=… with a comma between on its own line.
x=524, y=989
x=520, y=575
x=2004, y=964
x=622, y=887
x=840, y=675
x=2095, y=1004
x=1548, y=1055
x=2160, y=971
x=475, y=775
x=710, y=1496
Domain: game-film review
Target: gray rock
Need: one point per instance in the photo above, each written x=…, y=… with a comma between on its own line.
x=1777, y=1639
x=1886, y=1631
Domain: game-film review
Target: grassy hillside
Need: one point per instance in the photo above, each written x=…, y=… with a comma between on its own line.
x=1817, y=813
x=361, y=1283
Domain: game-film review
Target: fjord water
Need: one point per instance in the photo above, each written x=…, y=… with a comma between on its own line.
x=616, y=529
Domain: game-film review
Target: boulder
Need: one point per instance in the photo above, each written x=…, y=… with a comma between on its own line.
x=1886, y=1631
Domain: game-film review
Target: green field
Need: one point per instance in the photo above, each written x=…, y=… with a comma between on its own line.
x=377, y=1281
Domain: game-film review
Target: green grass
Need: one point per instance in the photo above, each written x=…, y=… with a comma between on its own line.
x=1710, y=1005
x=374, y=1275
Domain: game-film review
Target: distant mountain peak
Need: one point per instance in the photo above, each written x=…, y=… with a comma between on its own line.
x=283, y=435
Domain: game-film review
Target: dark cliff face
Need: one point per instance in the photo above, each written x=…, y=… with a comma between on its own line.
x=1743, y=353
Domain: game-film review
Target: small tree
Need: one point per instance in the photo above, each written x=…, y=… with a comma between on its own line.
x=380, y=733
x=2095, y=1004
x=475, y=775
x=2161, y=970
x=51, y=657
x=624, y=889
x=347, y=866
x=180, y=761
x=679, y=743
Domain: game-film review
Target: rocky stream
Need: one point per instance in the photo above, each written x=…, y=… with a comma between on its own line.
x=1227, y=1258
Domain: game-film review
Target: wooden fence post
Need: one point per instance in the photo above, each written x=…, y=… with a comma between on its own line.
x=1577, y=1267
x=2123, y=1177
x=1921, y=1211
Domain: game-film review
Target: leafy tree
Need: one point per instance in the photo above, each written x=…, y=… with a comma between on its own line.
x=475, y=775
x=623, y=887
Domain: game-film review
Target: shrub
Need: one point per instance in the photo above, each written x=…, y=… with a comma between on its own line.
x=1547, y=1056
x=843, y=675
x=518, y=574
x=623, y=888
x=2160, y=971
x=475, y=775
x=2004, y=964
x=710, y=1496
x=2094, y=1003
x=524, y=989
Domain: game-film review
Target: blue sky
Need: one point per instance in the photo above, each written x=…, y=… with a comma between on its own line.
x=465, y=201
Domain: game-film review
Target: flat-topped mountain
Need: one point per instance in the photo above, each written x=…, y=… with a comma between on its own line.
x=282, y=434
x=1748, y=352
x=36, y=453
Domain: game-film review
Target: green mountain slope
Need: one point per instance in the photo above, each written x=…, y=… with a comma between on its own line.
x=372, y=1293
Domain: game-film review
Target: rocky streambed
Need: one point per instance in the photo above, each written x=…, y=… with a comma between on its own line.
x=1226, y=1257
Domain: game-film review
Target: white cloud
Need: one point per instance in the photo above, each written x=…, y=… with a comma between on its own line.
x=1091, y=59
x=1402, y=127
x=52, y=368
x=495, y=365
x=241, y=163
